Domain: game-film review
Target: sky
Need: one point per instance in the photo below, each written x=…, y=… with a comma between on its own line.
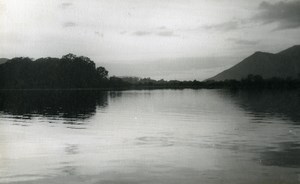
x=170, y=39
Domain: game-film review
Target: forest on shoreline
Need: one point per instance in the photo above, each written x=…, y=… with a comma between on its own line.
x=73, y=72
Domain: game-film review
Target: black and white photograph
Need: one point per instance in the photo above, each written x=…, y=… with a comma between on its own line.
x=149, y=91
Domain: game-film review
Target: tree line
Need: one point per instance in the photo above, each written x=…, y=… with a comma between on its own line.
x=249, y=82
x=71, y=71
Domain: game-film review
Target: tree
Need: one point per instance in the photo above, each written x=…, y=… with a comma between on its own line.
x=68, y=72
x=102, y=72
x=69, y=56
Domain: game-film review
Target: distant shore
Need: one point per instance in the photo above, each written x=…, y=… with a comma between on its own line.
x=80, y=73
x=247, y=84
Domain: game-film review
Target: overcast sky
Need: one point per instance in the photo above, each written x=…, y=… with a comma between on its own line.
x=217, y=32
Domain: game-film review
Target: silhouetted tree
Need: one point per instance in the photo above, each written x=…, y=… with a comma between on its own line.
x=102, y=72
x=69, y=56
x=69, y=71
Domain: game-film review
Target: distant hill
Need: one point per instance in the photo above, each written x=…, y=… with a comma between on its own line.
x=3, y=60
x=282, y=65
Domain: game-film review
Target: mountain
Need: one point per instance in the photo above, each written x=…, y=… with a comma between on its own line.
x=292, y=52
x=282, y=65
x=3, y=60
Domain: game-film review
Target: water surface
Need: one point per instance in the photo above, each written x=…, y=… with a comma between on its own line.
x=155, y=136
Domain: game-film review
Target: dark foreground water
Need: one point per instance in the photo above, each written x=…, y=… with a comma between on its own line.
x=158, y=136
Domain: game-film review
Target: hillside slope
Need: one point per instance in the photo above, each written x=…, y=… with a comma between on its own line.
x=283, y=64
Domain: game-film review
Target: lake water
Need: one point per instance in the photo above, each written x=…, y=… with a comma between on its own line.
x=150, y=137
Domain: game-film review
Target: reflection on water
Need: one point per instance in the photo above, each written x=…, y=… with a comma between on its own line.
x=55, y=104
x=281, y=104
x=266, y=105
x=288, y=155
x=156, y=136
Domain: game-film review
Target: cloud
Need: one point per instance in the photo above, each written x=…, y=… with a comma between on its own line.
x=155, y=33
x=285, y=13
x=123, y=32
x=142, y=33
x=165, y=33
x=99, y=34
x=66, y=5
x=69, y=24
x=243, y=41
x=162, y=28
x=225, y=26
